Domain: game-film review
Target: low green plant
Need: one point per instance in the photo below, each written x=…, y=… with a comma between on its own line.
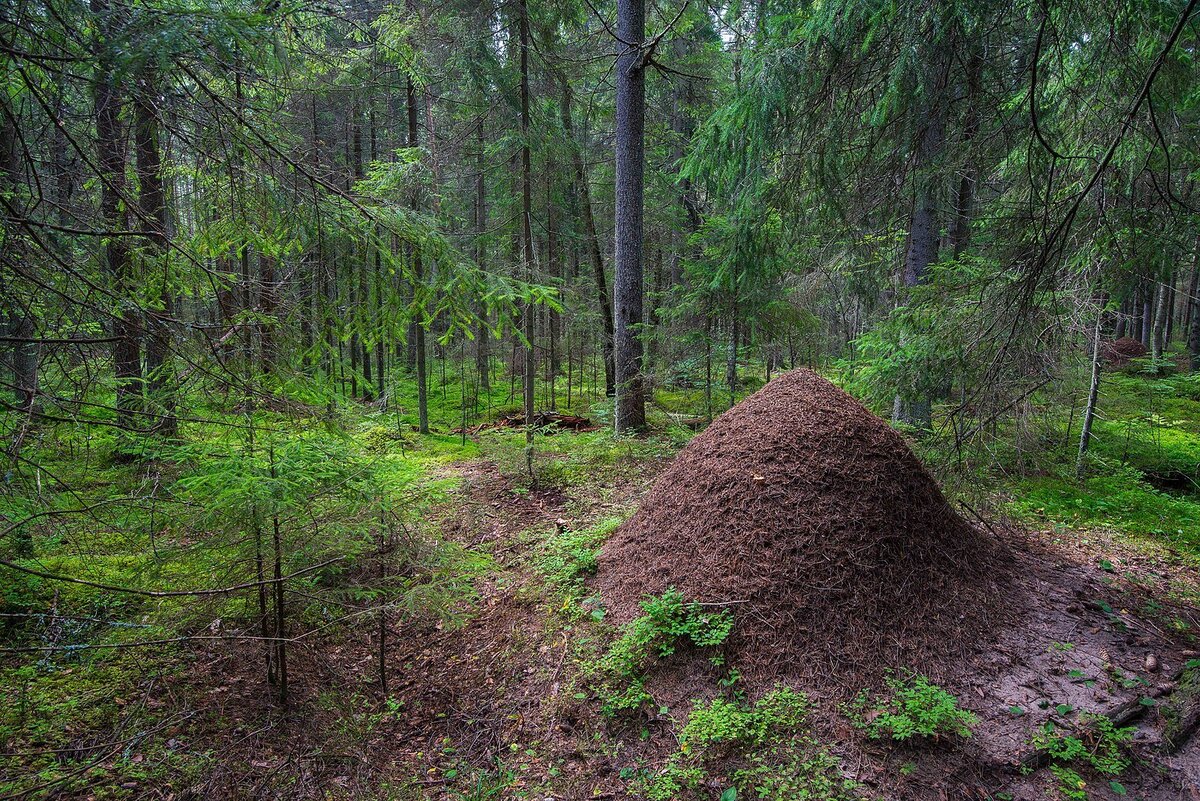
x=912, y=706
x=1069, y=783
x=776, y=755
x=1093, y=743
x=568, y=557
x=486, y=785
x=669, y=622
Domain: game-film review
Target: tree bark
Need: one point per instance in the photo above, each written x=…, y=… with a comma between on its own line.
x=1089, y=412
x=964, y=201
x=595, y=256
x=111, y=154
x=923, y=232
x=18, y=322
x=527, y=222
x=1162, y=310
x=152, y=201
x=418, y=326
x=1147, y=325
x=482, y=357
x=554, y=268
x=630, y=412
x=1193, y=337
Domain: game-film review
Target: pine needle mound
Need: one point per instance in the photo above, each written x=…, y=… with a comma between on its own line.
x=1121, y=352
x=832, y=544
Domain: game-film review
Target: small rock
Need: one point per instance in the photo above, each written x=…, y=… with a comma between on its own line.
x=1151, y=663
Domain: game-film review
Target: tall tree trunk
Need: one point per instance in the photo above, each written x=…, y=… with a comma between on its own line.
x=595, y=255
x=111, y=155
x=1147, y=325
x=152, y=200
x=682, y=129
x=527, y=220
x=1162, y=310
x=418, y=327
x=361, y=262
x=1172, y=297
x=380, y=346
x=960, y=232
x=554, y=269
x=1193, y=335
x=482, y=357
x=17, y=320
x=923, y=231
x=630, y=412
x=731, y=376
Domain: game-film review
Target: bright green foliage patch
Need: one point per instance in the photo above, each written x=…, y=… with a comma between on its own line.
x=1119, y=499
x=1095, y=743
x=1142, y=467
x=913, y=706
x=567, y=558
x=669, y=623
x=567, y=460
x=776, y=755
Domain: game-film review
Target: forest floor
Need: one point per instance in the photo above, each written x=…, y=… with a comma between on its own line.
x=502, y=706
x=504, y=695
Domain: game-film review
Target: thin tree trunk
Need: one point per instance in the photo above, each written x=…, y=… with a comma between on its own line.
x=731, y=377
x=482, y=357
x=1161, y=311
x=964, y=201
x=280, y=608
x=19, y=321
x=1089, y=412
x=380, y=346
x=418, y=327
x=603, y=299
x=1193, y=335
x=1147, y=326
x=1172, y=313
x=553, y=322
x=923, y=235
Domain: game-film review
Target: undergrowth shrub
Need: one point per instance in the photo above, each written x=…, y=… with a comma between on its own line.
x=776, y=755
x=669, y=622
x=568, y=558
x=913, y=706
x=1093, y=744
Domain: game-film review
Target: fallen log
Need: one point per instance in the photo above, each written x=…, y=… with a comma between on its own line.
x=1181, y=716
x=548, y=421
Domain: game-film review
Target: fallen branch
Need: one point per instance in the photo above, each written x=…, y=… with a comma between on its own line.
x=1129, y=712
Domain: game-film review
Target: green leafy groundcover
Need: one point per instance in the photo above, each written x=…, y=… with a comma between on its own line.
x=1121, y=500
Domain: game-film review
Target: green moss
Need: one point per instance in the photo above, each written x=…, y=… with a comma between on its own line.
x=1121, y=500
